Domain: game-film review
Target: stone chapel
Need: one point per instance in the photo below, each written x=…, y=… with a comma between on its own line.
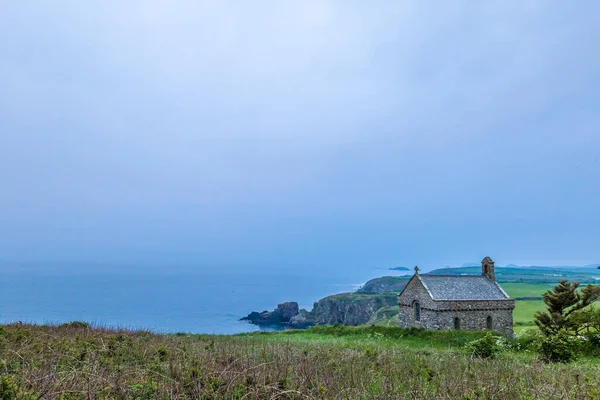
x=470, y=302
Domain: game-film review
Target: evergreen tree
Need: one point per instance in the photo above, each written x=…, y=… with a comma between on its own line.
x=561, y=302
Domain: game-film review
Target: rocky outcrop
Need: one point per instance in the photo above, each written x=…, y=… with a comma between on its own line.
x=301, y=321
x=346, y=308
x=350, y=308
x=280, y=316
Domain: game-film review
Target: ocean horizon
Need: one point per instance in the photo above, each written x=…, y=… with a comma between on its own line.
x=164, y=301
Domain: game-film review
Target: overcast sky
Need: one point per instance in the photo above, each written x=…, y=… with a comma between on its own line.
x=301, y=134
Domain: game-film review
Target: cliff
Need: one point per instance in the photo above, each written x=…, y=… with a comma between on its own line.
x=385, y=284
x=345, y=308
x=350, y=308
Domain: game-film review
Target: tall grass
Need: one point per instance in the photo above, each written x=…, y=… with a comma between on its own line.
x=78, y=362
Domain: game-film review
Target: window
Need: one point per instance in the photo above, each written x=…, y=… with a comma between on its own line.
x=457, y=323
x=417, y=311
x=490, y=324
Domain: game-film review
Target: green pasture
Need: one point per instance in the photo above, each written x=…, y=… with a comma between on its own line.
x=524, y=312
x=526, y=309
x=517, y=289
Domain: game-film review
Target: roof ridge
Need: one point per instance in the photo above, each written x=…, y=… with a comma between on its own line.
x=461, y=287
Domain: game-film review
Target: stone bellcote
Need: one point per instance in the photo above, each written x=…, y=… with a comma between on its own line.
x=487, y=268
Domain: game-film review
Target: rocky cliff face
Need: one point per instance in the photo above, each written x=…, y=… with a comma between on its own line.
x=346, y=308
x=350, y=308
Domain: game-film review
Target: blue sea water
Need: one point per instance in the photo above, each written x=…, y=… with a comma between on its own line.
x=167, y=301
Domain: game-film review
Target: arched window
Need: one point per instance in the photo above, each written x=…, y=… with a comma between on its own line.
x=490, y=323
x=417, y=311
x=457, y=323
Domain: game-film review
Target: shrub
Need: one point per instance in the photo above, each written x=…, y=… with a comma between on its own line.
x=594, y=339
x=590, y=345
x=162, y=353
x=527, y=339
x=486, y=347
x=559, y=347
x=75, y=324
x=9, y=390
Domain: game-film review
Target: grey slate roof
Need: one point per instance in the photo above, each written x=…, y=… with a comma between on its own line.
x=462, y=287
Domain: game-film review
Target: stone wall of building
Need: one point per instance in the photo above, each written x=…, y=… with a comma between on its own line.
x=415, y=291
x=466, y=305
x=501, y=320
x=436, y=315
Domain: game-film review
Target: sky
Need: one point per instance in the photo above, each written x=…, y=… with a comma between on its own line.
x=309, y=135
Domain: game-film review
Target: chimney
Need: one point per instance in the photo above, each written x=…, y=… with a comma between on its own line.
x=487, y=268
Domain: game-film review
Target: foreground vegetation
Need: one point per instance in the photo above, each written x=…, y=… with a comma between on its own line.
x=74, y=361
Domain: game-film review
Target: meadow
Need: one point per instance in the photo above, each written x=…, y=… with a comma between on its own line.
x=526, y=290
x=528, y=301
x=77, y=362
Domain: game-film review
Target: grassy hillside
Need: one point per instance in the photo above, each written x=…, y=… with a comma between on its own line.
x=531, y=274
x=385, y=284
x=320, y=363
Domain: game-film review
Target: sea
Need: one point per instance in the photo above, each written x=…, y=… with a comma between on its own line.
x=210, y=300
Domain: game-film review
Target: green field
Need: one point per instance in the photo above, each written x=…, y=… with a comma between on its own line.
x=517, y=290
x=531, y=274
x=524, y=312
x=526, y=309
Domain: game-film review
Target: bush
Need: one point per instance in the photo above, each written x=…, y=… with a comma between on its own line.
x=9, y=390
x=527, y=340
x=594, y=339
x=559, y=347
x=591, y=345
x=486, y=347
x=75, y=324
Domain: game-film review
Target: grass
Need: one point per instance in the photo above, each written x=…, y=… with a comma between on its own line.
x=525, y=305
x=77, y=362
x=386, y=316
x=520, y=290
x=526, y=309
x=397, y=337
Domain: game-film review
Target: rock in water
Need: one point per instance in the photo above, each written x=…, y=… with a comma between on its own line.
x=280, y=316
x=300, y=322
x=287, y=310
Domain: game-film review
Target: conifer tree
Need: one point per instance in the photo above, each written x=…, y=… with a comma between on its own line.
x=561, y=302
